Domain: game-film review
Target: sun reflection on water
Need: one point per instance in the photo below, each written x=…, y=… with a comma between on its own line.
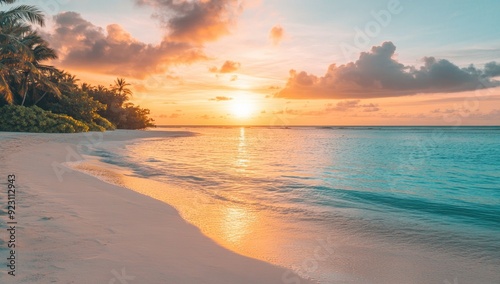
x=227, y=215
x=242, y=154
x=237, y=224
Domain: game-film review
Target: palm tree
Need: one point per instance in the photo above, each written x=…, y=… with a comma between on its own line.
x=13, y=53
x=101, y=89
x=35, y=74
x=121, y=87
x=67, y=81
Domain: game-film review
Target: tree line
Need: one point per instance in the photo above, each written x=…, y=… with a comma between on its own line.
x=36, y=97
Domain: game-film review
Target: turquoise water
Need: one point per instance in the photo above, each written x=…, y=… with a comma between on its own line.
x=411, y=189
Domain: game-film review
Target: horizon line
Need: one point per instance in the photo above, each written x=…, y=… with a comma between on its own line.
x=337, y=126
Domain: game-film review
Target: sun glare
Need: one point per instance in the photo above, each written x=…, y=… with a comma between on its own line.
x=241, y=107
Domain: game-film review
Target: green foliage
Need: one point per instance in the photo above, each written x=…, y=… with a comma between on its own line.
x=77, y=105
x=120, y=112
x=25, y=81
x=21, y=51
x=94, y=127
x=136, y=118
x=82, y=107
x=96, y=108
x=34, y=119
x=104, y=123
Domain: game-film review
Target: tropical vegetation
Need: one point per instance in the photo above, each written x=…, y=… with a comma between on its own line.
x=36, y=97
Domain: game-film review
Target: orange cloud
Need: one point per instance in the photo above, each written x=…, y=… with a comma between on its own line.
x=340, y=107
x=227, y=67
x=188, y=24
x=117, y=34
x=377, y=74
x=196, y=21
x=276, y=34
x=221, y=99
x=84, y=46
x=171, y=116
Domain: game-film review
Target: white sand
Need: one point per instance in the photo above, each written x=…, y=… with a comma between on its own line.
x=74, y=228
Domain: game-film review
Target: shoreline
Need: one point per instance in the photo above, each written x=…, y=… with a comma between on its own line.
x=76, y=228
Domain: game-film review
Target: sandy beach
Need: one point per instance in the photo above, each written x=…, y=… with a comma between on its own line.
x=74, y=228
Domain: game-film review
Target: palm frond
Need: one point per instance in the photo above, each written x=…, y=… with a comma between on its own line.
x=25, y=12
x=44, y=52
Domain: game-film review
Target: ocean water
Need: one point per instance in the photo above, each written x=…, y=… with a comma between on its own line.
x=337, y=204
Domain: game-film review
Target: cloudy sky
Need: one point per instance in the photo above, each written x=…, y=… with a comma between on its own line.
x=282, y=62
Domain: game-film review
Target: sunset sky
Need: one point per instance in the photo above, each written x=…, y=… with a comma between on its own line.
x=283, y=62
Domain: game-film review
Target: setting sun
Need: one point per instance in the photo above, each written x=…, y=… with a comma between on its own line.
x=242, y=107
